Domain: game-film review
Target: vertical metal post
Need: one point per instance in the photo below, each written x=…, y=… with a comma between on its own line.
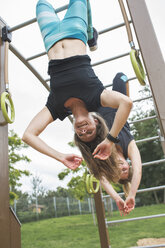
x=67, y=200
x=100, y=212
x=55, y=208
x=105, y=204
x=37, y=214
x=111, y=202
x=152, y=57
x=89, y=205
x=79, y=203
x=93, y=211
x=4, y=169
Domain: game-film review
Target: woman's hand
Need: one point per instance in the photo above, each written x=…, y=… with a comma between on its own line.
x=71, y=161
x=122, y=206
x=103, y=150
x=130, y=201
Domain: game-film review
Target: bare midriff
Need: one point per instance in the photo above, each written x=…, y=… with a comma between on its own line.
x=67, y=48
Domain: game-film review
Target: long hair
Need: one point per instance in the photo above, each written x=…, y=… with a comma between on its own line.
x=126, y=183
x=108, y=168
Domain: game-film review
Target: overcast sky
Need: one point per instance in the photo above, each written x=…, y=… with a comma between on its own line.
x=30, y=96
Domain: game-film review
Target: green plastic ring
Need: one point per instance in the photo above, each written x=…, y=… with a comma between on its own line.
x=138, y=67
x=6, y=101
x=87, y=184
x=90, y=179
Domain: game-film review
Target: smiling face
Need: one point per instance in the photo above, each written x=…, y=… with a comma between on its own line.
x=85, y=128
x=124, y=167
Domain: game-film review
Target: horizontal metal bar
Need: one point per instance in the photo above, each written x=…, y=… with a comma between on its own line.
x=29, y=66
x=47, y=80
x=36, y=56
x=31, y=21
x=21, y=25
x=108, y=85
x=132, y=78
x=151, y=189
x=24, y=24
x=148, y=139
x=113, y=28
x=151, y=246
x=139, y=191
x=144, y=119
x=133, y=219
x=154, y=162
x=110, y=59
x=142, y=99
x=146, y=190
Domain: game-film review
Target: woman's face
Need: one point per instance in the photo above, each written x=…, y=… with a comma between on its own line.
x=85, y=128
x=124, y=167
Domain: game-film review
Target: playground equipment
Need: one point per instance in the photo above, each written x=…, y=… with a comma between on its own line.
x=134, y=54
x=154, y=65
x=10, y=233
x=6, y=100
x=90, y=180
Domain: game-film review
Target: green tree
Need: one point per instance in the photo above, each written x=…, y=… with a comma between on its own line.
x=15, y=145
x=38, y=189
x=77, y=182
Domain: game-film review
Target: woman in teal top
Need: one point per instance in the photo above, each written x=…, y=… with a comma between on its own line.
x=74, y=87
x=77, y=22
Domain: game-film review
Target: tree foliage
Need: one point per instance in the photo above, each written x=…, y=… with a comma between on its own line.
x=76, y=184
x=15, y=145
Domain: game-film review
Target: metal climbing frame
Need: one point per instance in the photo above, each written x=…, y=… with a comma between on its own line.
x=155, y=68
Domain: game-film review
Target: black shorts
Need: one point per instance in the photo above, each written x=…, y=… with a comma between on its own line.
x=72, y=77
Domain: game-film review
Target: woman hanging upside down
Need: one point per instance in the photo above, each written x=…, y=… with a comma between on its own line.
x=125, y=147
x=74, y=87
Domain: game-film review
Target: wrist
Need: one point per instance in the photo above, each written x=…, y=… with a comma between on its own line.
x=117, y=198
x=112, y=139
x=59, y=157
x=131, y=195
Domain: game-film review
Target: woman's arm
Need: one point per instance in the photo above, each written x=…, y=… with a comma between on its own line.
x=134, y=156
x=110, y=190
x=123, y=103
x=31, y=137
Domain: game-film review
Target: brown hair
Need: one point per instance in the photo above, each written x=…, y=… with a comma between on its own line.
x=126, y=183
x=108, y=168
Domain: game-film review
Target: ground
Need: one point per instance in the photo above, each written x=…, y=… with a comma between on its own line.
x=151, y=241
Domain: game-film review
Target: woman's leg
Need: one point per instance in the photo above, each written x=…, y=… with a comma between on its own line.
x=48, y=22
x=92, y=32
x=121, y=84
x=81, y=9
x=77, y=8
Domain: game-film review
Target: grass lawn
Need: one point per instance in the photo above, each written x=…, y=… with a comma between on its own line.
x=79, y=231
